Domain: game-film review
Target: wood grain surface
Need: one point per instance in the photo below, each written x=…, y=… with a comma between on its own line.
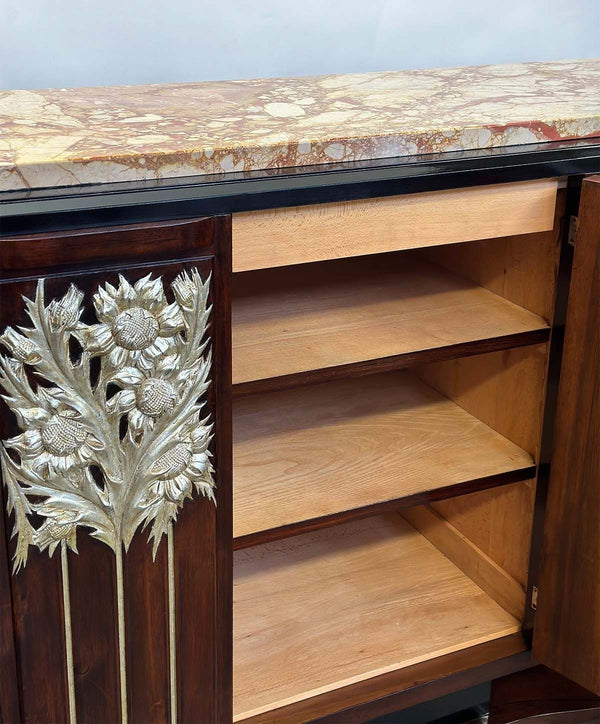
x=326, y=609
x=314, y=451
x=567, y=625
x=296, y=235
x=471, y=560
x=543, y=695
x=202, y=545
x=406, y=687
x=314, y=316
x=521, y=268
x=506, y=390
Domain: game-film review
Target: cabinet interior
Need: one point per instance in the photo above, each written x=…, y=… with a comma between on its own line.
x=332, y=607
x=387, y=420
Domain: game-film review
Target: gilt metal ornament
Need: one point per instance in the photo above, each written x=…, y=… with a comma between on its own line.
x=121, y=451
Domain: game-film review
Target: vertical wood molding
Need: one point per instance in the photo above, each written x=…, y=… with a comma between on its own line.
x=64, y=563
x=121, y=629
x=172, y=632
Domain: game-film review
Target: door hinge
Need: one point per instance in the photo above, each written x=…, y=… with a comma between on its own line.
x=534, y=597
x=572, y=236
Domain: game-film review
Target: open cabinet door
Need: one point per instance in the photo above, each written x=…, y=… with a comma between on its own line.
x=115, y=529
x=567, y=625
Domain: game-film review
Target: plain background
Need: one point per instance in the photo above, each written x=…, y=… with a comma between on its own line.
x=62, y=43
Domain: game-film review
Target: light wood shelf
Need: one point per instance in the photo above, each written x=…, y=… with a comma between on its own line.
x=333, y=607
x=312, y=452
x=316, y=316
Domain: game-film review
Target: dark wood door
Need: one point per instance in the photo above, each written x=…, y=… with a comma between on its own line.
x=567, y=625
x=115, y=548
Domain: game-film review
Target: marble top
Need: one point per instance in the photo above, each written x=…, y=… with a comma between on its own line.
x=69, y=137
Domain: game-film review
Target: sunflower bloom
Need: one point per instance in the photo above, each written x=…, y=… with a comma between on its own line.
x=137, y=325
x=55, y=442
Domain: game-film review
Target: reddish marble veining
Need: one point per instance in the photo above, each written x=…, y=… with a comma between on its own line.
x=68, y=137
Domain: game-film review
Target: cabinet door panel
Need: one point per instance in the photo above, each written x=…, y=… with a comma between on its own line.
x=117, y=585
x=567, y=625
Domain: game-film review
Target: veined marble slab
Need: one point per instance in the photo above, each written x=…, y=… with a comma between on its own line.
x=68, y=137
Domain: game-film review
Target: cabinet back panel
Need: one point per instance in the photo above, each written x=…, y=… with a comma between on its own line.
x=520, y=268
x=472, y=560
x=506, y=391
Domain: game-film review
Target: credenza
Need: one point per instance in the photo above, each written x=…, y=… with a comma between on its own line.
x=300, y=443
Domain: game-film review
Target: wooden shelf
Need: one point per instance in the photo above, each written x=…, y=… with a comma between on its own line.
x=338, y=606
x=350, y=311
x=333, y=449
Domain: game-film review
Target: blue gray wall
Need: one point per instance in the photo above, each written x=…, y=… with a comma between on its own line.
x=57, y=43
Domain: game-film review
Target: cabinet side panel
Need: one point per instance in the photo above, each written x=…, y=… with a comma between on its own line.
x=567, y=625
x=506, y=390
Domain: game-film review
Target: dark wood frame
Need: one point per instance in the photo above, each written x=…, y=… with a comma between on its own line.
x=72, y=209
x=201, y=537
x=567, y=636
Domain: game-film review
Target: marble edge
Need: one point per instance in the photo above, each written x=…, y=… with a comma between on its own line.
x=65, y=137
x=238, y=156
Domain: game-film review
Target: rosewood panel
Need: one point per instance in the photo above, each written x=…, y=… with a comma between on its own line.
x=146, y=621
x=94, y=626
x=130, y=637
x=35, y=593
x=39, y=634
x=567, y=625
x=544, y=694
x=132, y=244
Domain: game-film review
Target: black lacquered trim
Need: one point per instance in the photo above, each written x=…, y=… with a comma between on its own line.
x=78, y=207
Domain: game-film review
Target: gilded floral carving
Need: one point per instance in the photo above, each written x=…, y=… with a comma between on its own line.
x=125, y=450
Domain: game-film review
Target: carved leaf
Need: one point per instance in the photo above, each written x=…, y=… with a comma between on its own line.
x=157, y=354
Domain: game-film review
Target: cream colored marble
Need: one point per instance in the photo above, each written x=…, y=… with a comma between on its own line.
x=68, y=137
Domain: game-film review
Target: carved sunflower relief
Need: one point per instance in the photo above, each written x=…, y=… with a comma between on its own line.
x=118, y=450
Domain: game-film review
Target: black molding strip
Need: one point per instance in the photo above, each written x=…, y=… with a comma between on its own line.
x=80, y=207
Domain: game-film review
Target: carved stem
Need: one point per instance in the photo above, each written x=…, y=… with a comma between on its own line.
x=172, y=637
x=68, y=632
x=121, y=621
